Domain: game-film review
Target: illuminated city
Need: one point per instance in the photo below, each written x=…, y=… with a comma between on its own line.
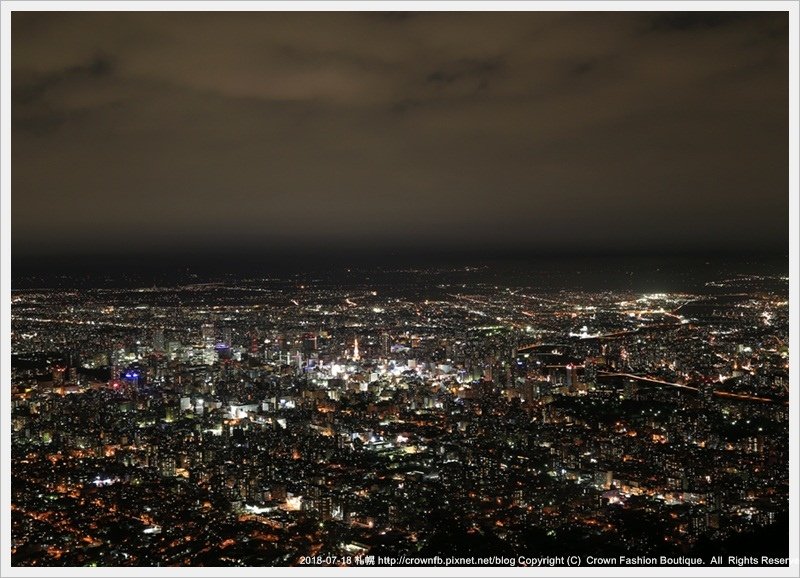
x=274, y=421
x=429, y=289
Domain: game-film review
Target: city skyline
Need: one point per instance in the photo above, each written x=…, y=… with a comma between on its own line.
x=426, y=133
x=401, y=289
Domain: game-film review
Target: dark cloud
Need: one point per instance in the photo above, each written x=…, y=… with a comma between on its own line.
x=442, y=131
x=26, y=92
x=584, y=67
x=391, y=16
x=476, y=69
x=680, y=21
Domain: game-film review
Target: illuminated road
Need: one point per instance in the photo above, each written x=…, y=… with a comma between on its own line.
x=650, y=379
x=743, y=396
x=719, y=393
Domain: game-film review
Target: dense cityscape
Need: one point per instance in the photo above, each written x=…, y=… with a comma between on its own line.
x=303, y=421
x=488, y=286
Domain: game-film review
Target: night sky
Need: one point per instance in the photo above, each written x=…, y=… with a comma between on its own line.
x=344, y=133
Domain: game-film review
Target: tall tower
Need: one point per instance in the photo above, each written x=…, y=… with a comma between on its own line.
x=356, y=349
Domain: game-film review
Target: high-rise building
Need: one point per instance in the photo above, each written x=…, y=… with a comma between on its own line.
x=630, y=389
x=131, y=381
x=529, y=390
x=208, y=333
x=571, y=378
x=168, y=467
x=58, y=374
x=158, y=340
x=384, y=341
x=309, y=343
x=488, y=373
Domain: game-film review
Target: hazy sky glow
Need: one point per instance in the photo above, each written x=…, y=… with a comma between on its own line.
x=141, y=132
